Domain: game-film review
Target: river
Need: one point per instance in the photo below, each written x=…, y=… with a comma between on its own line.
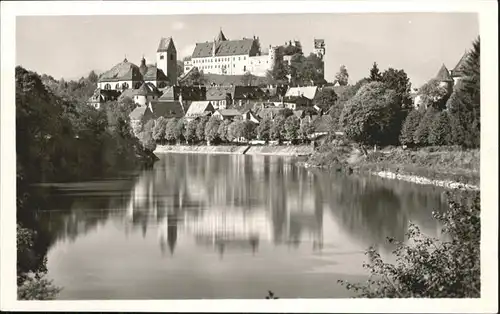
x=224, y=226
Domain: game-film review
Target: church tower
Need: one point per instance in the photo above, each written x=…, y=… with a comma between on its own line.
x=166, y=59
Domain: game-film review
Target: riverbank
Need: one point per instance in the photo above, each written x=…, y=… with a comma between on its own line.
x=449, y=167
x=292, y=151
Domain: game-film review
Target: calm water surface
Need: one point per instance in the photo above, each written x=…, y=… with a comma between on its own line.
x=225, y=226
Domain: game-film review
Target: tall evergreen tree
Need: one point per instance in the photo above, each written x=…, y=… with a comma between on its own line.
x=440, y=130
x=375, y=75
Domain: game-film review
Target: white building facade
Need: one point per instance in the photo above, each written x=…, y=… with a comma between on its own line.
x=230, y=57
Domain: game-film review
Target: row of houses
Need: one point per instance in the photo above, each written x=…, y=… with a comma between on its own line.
x=250, y=103
x=227, y=103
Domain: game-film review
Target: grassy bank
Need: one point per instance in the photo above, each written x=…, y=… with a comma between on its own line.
x=435, y=163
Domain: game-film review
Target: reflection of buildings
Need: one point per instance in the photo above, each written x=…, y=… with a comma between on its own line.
x=229, y=202
x=231, y=228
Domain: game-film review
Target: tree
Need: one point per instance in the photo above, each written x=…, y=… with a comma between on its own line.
x=233, y=131
x=223, y=131
x=190, y=131
x=279, y=71
x=398, y=81
x=200, y=128
x=212, y=129
x=433, y=95
x=371, y=116
x=93, y=78
x=410, y=126
x=145, y=136
x=342, y=76
x=264, y=129
x=375, y=75
x=292, y=126
x=277, y=128
x=306, y=129
x=159, y=129
x=427, y=267
x=465, y=103
x=440, y=130
x=180, y=129
x=245, y=129
x=326, y=98
x=171, y=134
x=421, y=136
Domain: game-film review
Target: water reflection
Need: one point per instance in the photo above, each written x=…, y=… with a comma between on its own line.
x=236, y=201
x=255, y=206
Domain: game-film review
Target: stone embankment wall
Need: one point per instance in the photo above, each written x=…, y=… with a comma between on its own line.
x=422, y=180
x=304, y=150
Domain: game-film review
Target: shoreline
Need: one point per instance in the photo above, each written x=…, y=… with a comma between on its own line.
x=282, y=150
x=444, y=180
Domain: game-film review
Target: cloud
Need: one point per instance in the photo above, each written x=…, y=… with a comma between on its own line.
x=178, y=25
x=187, y=50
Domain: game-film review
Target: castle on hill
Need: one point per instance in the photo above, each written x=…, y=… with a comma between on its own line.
x=238, y=56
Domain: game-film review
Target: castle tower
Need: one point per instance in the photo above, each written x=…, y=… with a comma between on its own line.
x=445, y=79
x=319, y=48
x=166, y=59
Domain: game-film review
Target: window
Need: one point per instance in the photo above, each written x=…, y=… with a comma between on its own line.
x=125, y=86
x=161, y=57
x=117, y=86
x=137, y=85
x=107, y=86
x=244, y=68
x=244, y=58
x=238, y=58
x=171, y=56
x=162, y=84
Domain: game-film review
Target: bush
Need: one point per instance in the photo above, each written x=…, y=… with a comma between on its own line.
x=429, y=267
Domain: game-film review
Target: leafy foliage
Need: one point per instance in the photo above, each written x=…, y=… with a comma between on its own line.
x=171, y=130
x=223, y=130
x=410, y=126
x=427, y=267
x=212, y=129
x=433, y=95
x=421, y=135
x=398, y=81
x=200, y=129
x=375, y=75
x=342, y=77
x=440, y=130
x=31, y=271
x=277, y=129
x=371, y=116
x=159, y=129
x=292, y=126
x=465, y=103
x=190, y=131
x=264, y=129
x=326, y=98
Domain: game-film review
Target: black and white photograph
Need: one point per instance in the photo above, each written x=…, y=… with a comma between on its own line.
x=167, y=151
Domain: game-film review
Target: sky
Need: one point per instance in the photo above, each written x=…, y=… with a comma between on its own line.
x=419, y=43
